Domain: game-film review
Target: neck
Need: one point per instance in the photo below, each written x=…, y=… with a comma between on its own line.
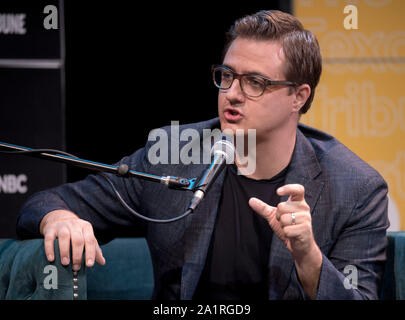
x=273, y=154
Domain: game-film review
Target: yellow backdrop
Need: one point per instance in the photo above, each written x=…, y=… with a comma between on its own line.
x=361, y=96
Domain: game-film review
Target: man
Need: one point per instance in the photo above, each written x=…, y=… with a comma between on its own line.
x=323, y=208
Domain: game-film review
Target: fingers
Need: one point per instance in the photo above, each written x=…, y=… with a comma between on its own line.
x=99, y=256
x=296, y=201
x=299, y=218
x=294, y=231
x=93, y=251
x=296, y=192
x=64, y=244
x=78, y=233
x=50, y=237
x=77, y=247
x=291, y=206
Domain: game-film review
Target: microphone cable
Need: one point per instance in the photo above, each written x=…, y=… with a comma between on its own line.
x=116, y=192
x=136, y=214
x=51, y=151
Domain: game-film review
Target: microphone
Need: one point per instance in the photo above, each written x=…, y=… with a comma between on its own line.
x=223, y=152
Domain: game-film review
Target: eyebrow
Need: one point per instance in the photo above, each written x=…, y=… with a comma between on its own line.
x=248, y=72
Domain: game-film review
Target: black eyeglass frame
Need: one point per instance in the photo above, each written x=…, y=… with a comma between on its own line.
x=267, y=82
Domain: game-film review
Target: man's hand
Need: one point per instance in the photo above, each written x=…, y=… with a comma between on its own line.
x=291, y=222
x=69, y=228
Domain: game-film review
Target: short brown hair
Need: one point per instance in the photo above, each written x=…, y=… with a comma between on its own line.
x=300, y=46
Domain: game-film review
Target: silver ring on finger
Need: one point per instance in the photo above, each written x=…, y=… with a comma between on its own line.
x=292, y=218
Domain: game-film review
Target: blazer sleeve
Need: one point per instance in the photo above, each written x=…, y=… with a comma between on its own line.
x=92, y=199
x=352, y=268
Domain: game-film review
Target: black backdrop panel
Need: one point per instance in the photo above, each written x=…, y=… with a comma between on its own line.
x=22, y=32
x=30, y=115
x=31, y=103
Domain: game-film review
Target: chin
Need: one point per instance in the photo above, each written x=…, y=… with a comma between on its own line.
x=231, y=128
x=225, y=125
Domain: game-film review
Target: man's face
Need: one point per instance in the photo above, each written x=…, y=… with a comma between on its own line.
x=267, y=113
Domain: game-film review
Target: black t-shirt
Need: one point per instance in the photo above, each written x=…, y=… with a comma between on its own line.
x=237, y=260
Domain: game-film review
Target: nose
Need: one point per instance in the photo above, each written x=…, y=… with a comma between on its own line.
x=234, y=94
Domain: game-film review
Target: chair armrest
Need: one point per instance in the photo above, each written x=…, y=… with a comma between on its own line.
x=393, y=281
x=25, y=273
x=33, y=277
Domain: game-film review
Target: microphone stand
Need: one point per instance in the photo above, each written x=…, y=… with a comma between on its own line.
x=121, y=170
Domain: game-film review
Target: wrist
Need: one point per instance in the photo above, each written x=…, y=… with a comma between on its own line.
x=308, y=269
x=311, y=259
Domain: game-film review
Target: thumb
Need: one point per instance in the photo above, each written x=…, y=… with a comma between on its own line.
x=269, y=213
x=266, y=211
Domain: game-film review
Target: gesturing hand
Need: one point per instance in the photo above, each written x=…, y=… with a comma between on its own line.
x=292, y=223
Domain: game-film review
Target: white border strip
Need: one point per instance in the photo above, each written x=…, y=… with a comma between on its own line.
x=31, y=63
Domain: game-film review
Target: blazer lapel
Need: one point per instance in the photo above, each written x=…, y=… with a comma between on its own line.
x=199, y=229
x=303, y=169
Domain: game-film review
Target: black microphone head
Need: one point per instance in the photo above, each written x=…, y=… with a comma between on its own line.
x=224, y=147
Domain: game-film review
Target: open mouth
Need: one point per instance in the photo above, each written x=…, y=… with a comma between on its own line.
x=232, y=115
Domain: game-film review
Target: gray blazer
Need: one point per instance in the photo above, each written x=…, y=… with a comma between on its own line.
x=348, y=201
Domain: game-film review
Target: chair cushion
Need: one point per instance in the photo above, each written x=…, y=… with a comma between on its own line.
x=8, y=250
x=127, y=274
x=25, y=273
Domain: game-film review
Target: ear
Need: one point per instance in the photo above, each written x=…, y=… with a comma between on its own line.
x=301, y=94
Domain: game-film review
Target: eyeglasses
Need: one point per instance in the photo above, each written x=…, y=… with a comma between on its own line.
x=252, y=85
